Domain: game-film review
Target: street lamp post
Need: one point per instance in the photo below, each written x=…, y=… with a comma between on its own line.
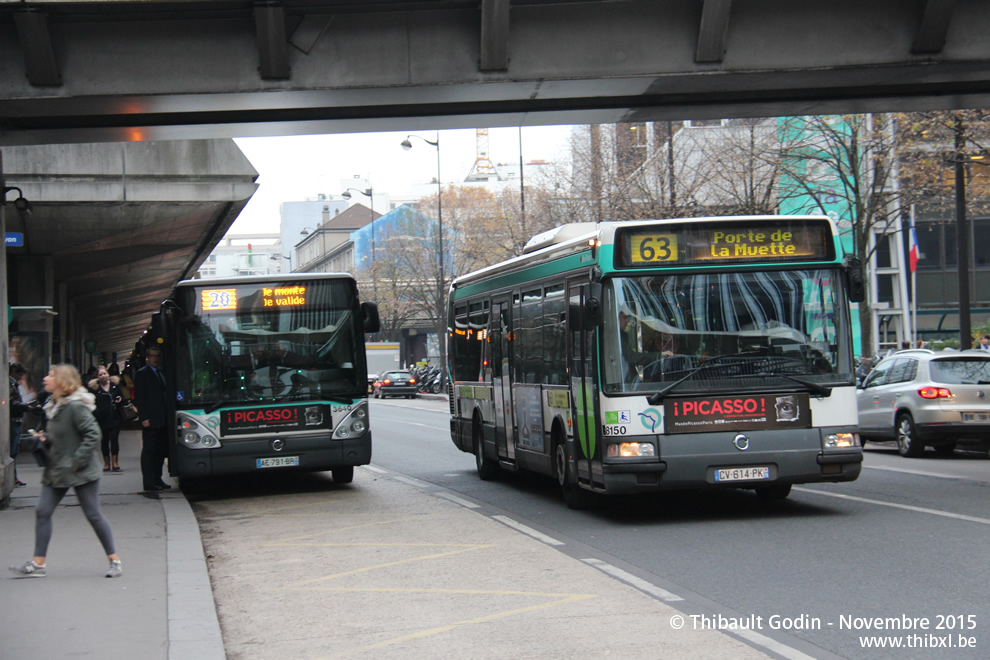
x=407, y=145
x=281, y=256
x=370, y=194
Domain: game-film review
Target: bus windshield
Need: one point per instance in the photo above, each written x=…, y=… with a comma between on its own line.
x=269, y=343
x=729, y=331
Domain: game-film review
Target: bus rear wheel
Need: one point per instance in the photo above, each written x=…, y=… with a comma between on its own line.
x=343, y=474
x=487, y=468
x=575, y=497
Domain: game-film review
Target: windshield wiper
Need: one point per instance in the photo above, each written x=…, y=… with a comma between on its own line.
x=216, y=404
x=657, y=397
x=817, y=388
x=719, y=361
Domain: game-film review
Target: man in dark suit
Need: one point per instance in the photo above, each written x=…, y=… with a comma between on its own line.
x=149, y=395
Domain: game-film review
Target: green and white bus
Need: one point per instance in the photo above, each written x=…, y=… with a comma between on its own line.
x=268, y=373
x=630, y=357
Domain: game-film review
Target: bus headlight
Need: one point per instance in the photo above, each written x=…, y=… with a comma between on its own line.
x=841, y=440
x=194, y=435
x=354, y=423
x=629, y=449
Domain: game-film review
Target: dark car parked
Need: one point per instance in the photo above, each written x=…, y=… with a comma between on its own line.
x=395, y=383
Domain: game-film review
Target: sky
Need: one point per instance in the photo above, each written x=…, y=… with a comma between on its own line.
x=301, y=167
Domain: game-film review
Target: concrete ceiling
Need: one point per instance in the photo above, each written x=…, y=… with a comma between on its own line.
x=117, y=225
x=125, y=70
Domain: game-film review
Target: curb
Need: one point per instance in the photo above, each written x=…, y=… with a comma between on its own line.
x=193, y=627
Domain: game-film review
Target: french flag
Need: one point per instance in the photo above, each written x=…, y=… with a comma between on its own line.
x=913, y=254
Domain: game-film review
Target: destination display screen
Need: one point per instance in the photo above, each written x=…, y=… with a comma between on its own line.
x=221, y=299
x=686, y=244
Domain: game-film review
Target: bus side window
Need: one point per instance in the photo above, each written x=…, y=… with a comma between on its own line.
x=554, y=339
x=477, y=330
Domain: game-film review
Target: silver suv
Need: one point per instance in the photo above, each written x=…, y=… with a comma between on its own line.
x=921, y=398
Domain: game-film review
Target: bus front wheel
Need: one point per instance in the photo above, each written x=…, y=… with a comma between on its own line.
x=575, y=497
x=770, y=493
x=343, y=474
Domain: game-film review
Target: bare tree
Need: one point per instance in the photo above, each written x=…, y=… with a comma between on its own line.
x=663, y=170
x=846, y=166
x=390, y=289
x=944, y=157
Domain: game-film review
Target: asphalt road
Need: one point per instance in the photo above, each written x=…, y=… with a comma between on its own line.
x=908, y=543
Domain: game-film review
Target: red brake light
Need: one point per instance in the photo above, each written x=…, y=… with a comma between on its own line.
x=386, y=381
x=935, y=393
x=412, y=380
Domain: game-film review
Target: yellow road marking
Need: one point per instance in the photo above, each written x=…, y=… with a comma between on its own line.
x=377, y=545
x=425, y=590
x=337, y=530
x=467, y=622
x=388, y=564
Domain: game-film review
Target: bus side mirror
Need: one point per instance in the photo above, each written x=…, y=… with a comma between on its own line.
x=371, y=320
x=855, y=282
x=593, y=305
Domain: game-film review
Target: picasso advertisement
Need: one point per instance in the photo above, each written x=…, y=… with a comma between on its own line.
x=737, y=413
x=309, y=417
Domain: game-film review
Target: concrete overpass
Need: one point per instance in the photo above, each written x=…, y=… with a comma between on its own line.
x=81, y=71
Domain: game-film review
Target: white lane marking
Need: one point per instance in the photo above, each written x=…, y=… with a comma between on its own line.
x=411, y=482
x=919, y=472
x=529, y=531
x=662, y=594
x=631, y=579
x=375, y=469
x=426, y=426
x=457, y=500
x=906, y=507
x=780, y=649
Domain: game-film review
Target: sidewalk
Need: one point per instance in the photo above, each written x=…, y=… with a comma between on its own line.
x=162, y=607
x=385, y=567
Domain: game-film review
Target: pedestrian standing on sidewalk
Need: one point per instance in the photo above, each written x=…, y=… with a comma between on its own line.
x=73, y=441
x=16, y=372
x=149, y=395
x=109, y=398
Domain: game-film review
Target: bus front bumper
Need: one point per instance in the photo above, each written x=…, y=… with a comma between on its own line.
x=693, y=461
x=311, y=453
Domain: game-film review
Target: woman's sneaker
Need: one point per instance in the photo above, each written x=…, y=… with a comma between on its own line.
x=115, y=569
x=28, y=569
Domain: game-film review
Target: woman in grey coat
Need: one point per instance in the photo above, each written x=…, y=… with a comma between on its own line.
x=73, y=441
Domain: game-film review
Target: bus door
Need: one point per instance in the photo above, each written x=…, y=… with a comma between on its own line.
x=501, y=329
x=580, y=363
